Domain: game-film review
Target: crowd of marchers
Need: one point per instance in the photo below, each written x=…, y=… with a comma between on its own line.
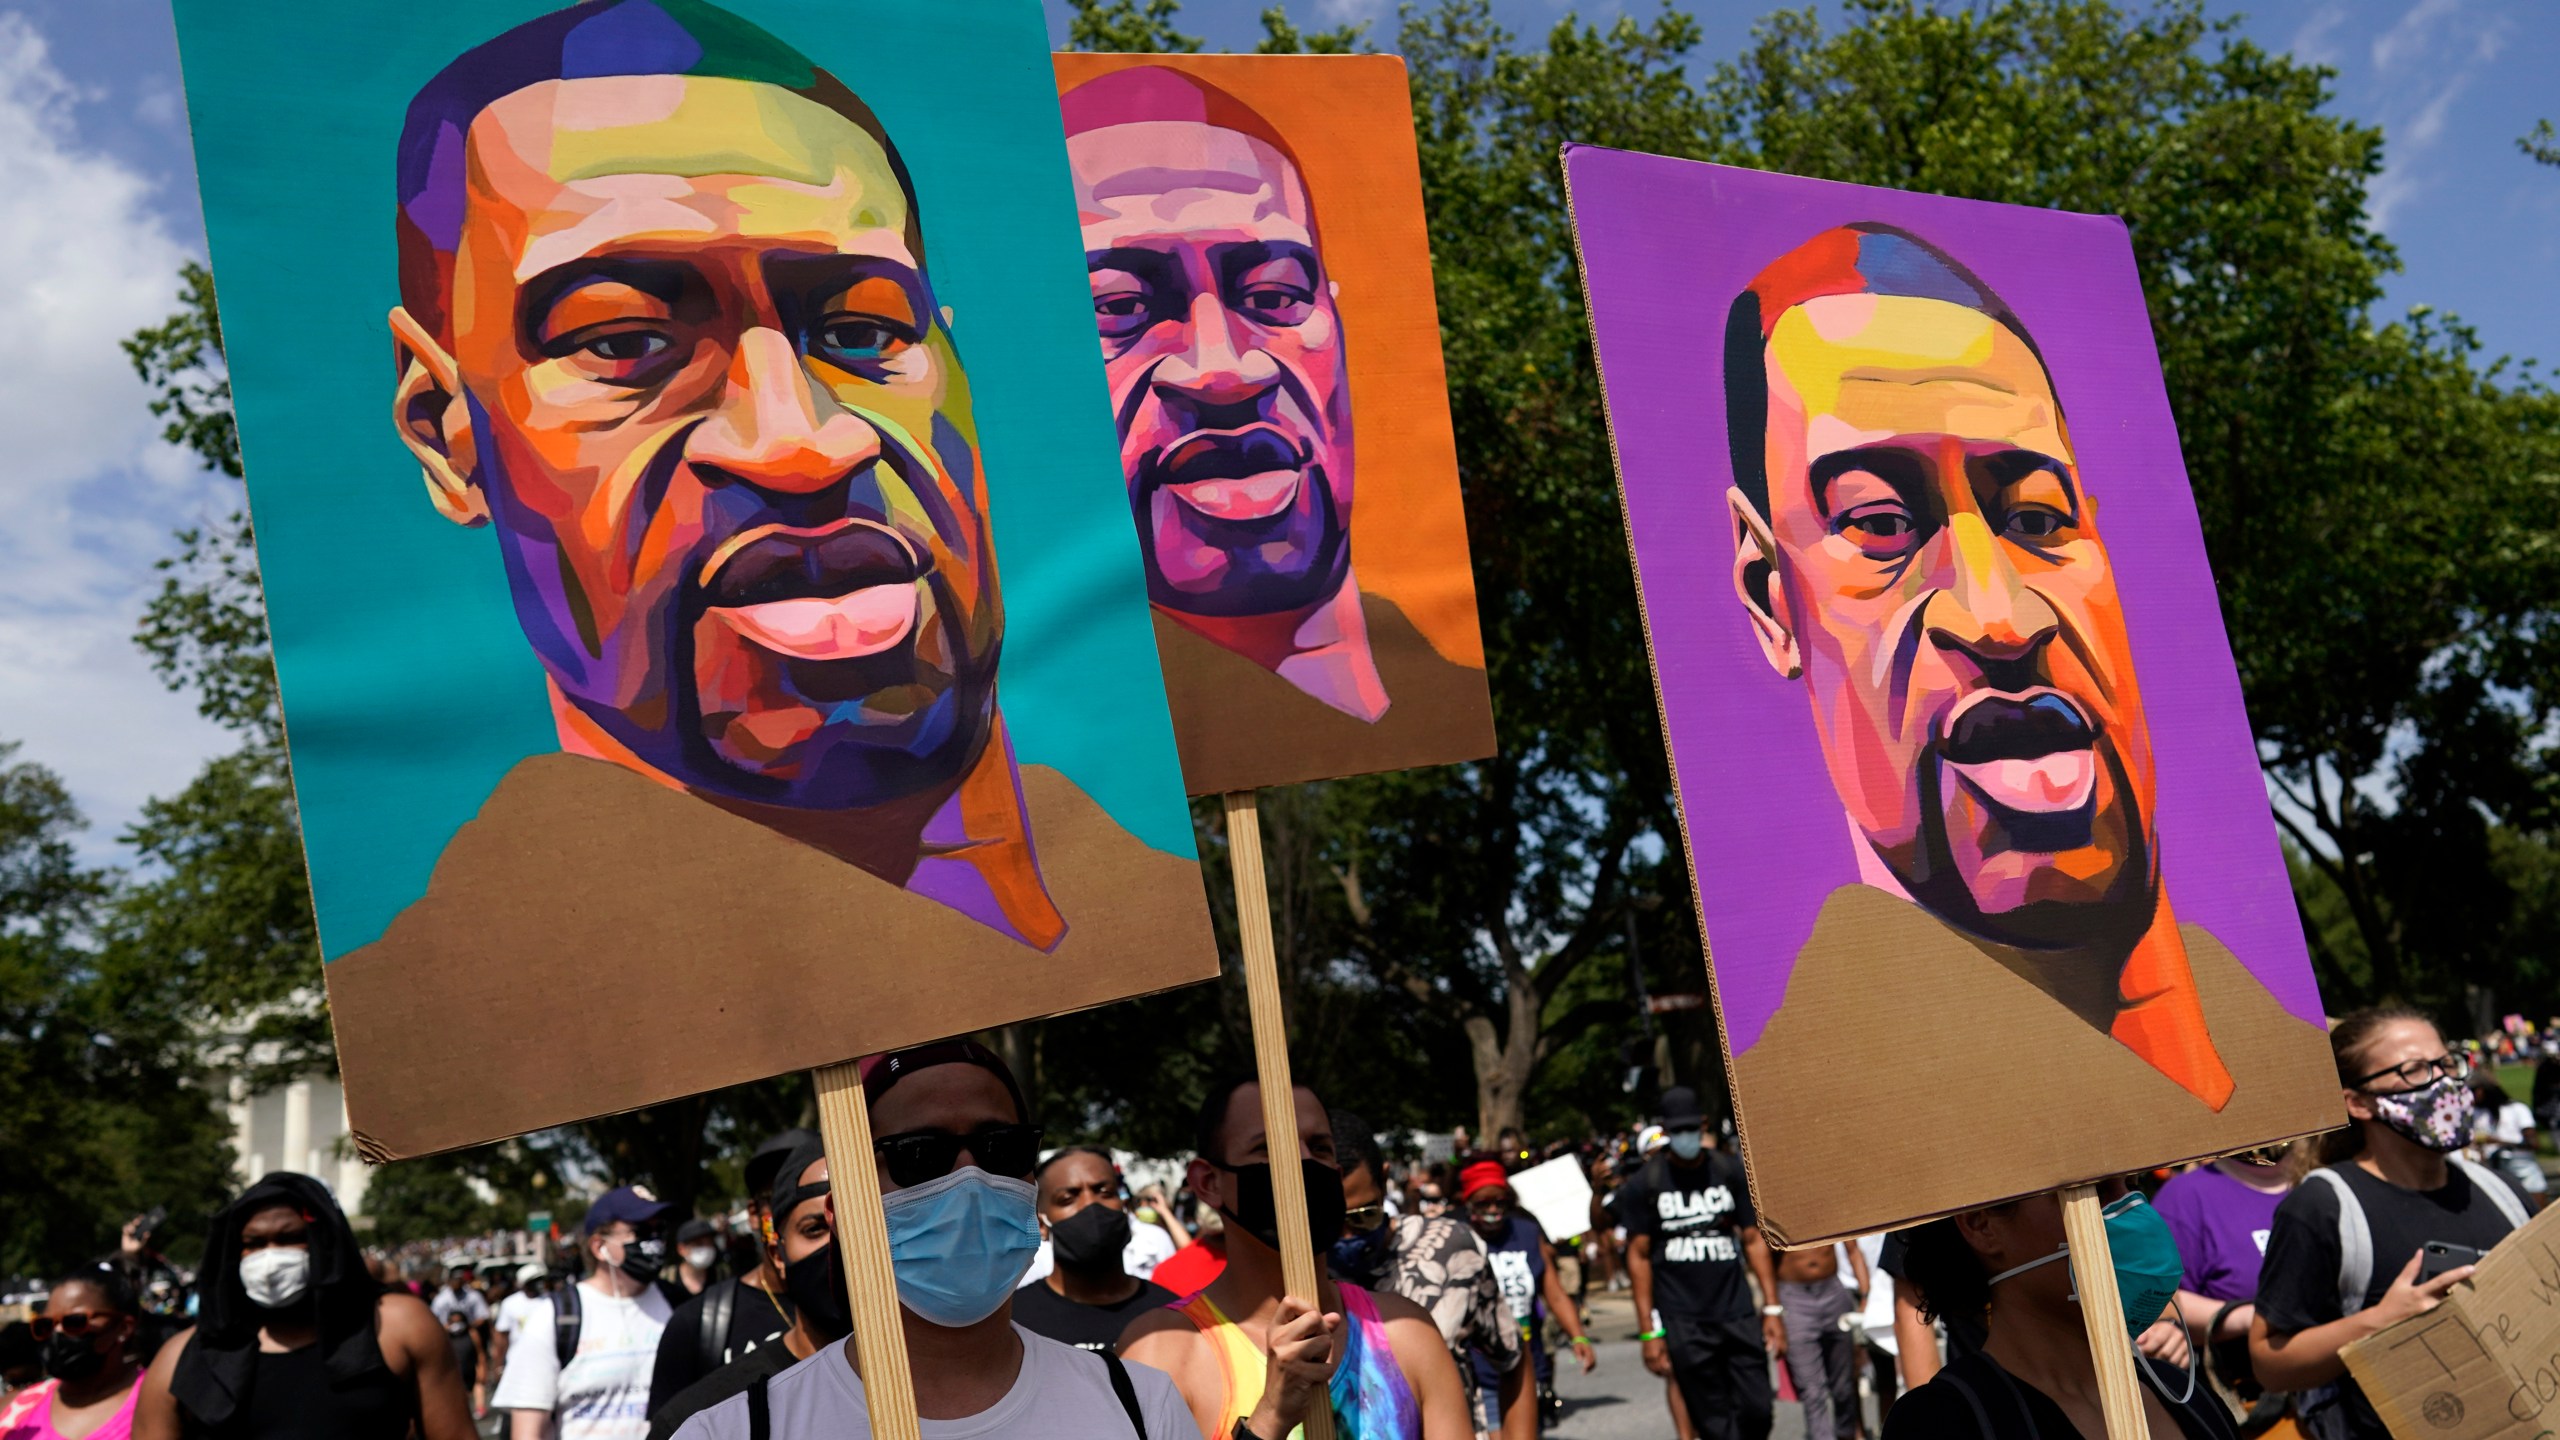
x=1040, y=1294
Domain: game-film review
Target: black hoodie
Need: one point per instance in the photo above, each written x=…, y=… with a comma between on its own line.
x=213, y=1376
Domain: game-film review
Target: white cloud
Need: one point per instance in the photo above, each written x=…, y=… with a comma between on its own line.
x=2316, y=42
x=88, y=493
x=2415, y=33
x=2423, y=64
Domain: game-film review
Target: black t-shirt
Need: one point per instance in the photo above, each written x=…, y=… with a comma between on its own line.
x=1974, y=1399
x=730, y=1379
x=1044, y=1311
x=1695, y=1215
x=2298, y=1284
x=755, y=1323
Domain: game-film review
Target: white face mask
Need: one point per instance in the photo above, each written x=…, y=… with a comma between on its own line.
x=700, y=1256
x=276, y=1276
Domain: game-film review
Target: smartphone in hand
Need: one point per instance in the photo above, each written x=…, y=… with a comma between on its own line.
x=2442, y=1255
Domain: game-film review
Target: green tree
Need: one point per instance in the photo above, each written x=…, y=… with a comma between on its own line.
x=106, y=1116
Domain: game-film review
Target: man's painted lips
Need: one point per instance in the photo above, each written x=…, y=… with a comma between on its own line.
x=836, y=592
x=1236, y=476
x=2032, y=754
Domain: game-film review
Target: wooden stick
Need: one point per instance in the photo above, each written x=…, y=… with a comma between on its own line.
x=2093, y=1278
x=1271, y=1065
x=862, y=1239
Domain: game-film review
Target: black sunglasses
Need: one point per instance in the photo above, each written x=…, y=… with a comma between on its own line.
x=922, y=1155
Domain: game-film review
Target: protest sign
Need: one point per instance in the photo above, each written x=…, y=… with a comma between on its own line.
x=1973, y=814
x=709, y=630
x=1261, y=283
x=1557, y=1195
x=2484, y=1365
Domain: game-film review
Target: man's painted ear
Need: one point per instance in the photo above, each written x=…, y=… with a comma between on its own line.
x=427, y=409
x=1757, y=583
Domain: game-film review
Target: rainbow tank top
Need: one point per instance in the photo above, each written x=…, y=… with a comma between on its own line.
x=1371, y=1400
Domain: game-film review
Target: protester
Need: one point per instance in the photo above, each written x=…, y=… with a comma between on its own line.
x=697, y=1252
x=1524, y=1264
x=1439, y=1264
x=2221, y=1214
x=734, y=1317
x=295, y=1337
x=91, y=1382
x=1821, y=1356
x=2007, y=1268
x=2503, y=1131
x=1156, y=1213
x=1088, y=1296
x=1690, y=1233
x=531, y=1281
x=464, y=1314
x=1251, y=1360
x=1600, y=1243
x=954, y=1155
x=2328, y=1281
x=580, y=1367
x=813, y=1277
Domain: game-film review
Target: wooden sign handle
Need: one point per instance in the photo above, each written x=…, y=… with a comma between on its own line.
x=862, y=1240
x=1271, y=1065
x=2093, y=1279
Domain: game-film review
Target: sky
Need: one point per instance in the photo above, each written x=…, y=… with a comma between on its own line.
x=98, y=209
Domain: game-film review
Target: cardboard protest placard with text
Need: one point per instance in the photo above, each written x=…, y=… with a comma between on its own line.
x=704, y=603
x=1973, y=815
x=2484, y=1365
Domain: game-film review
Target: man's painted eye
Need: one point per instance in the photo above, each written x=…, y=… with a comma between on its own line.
x=1271, y=304
x=626, y=347
x=2036, y=522
x=854, y=337
x=1882, y=529
x=1122, y=305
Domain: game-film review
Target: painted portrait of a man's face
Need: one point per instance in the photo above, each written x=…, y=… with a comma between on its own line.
x=1925, y=552
x=1223, y=346
x=677, y=655
x=723, y=436
x=1959, y=747
x=1293, y=648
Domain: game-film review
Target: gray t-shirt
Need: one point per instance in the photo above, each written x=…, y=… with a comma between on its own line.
x=1061, y=1391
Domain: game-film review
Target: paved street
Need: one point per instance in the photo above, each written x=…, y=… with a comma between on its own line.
x=1620, y=1399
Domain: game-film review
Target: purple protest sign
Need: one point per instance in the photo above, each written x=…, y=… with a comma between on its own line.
x=1975, y=818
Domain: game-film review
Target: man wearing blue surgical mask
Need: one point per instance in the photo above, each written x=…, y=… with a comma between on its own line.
x=955, y=1153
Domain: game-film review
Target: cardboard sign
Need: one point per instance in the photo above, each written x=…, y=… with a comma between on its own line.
x=1974, y=817
x=1558, y=1195
x=1261, y=285
x=2485, y=1363
x=708, y=624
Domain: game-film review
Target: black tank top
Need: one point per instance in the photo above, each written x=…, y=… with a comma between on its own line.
x=291, y=1398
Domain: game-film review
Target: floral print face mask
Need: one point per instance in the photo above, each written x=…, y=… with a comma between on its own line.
x=2436, y=1115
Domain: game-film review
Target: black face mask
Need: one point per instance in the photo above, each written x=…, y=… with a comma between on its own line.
x=72, y=1357
x=1091, y=1240
x=644, y=1257
x=1361, y=1255
x=1249, y=1205
x=815, y=1283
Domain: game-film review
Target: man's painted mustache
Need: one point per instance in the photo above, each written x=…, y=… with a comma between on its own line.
x=2030, y=754
x=1241, y=477
x=845, y=591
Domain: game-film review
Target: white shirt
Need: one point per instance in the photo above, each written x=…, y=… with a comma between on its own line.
x=1062, y=1391
x=603, y=1394
x=473, y=1308
x=511, y=1310
x=2507, y=1125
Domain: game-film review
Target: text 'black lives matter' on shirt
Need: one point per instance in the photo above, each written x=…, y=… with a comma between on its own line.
x=1694, y=1215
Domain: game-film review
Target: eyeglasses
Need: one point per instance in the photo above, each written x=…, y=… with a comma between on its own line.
x=1361, y=1219
x=2453, y=1065
x=923, y=1155
x=76, y=1323
x=1492, y=1210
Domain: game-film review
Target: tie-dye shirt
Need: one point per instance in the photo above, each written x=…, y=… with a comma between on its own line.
x=1371, y=1400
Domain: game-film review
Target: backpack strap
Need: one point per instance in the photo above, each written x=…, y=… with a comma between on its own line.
x=2487, y=1182
x=759, y=1411
x=1121, y=1387
x=2355, y=1241
x=719, y=1308
x=568, y=1319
